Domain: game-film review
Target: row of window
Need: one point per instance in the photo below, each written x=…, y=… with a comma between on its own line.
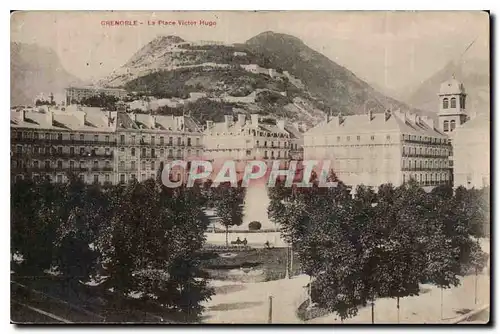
x=424, y=151
x=388, y=138
x=59, y=150
x=449, y=126
x=425, y=164
x=255, y=133
x=452, y=103
x=432, y=140
x=96, y=178
x=292, y=145
x=96, y=138
x=56, y=136
x=59, y=164
x=133, y=165
x=424, y=177
x=266, y=155
x=152, y=151
x=152, y=140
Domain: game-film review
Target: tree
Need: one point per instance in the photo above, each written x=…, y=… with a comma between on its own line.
x=228, y=203
x=156, y=236
x=102, y=101
x=76, y=255
x=35, y=208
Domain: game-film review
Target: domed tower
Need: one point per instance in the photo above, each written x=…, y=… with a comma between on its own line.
x=452, y=112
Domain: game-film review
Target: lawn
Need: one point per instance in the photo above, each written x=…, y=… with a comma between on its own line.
x=248, y=265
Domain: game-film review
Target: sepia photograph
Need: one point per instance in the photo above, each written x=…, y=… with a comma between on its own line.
x=250, y=167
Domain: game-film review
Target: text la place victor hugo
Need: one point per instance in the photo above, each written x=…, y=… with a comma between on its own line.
x=186, y=23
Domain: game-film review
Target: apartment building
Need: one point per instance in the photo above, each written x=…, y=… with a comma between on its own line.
x=373, y=149
x=144, y=141
x=253, y=139
x=51, y=143
x=76, y=94
x=98, y=146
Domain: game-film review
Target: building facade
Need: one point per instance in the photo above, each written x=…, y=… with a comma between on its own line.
x=374, y=149
x=52, y=143
x=471, y=153
x=243, y=139
x=98, y=146
x=469, y=135
x=144, y=141
x=76, y=94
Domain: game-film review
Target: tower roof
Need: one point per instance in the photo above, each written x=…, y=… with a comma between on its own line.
x=452, y=86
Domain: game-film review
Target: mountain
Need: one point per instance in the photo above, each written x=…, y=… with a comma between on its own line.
x=341, y=89
x=36, y=70
x=303, y=84
x=472, y=72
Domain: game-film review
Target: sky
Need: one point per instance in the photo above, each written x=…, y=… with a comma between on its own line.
x=392, y=50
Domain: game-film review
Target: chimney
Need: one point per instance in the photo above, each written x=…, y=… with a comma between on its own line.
x=22, y=115
x=133, y=116
x=50, y=117
x=241, y=119
x=281, y=124
x=109, y=118
x=255, y=119
x=180, y=122
x=152, y=121
x=370, y=115
x=228, y=119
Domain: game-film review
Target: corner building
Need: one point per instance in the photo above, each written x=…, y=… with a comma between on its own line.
x=374, y=149
x=52, y=142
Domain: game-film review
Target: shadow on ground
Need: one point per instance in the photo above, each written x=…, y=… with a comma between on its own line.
x=225, y=289
x=233, y=306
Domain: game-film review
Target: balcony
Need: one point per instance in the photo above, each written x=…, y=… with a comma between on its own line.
x=425, y=142
x=128, y=169
x=149, y=156
x=102, y=169
x=415, y=155
x=65, y=142
x=62, y=155
x=440, y=169
x=51, y=169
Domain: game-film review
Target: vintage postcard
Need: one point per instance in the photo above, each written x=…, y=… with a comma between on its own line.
x=278, y=167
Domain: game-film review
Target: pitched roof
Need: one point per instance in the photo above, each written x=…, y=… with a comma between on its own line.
x=396, y=122
x=156, y=122
x=83, y=119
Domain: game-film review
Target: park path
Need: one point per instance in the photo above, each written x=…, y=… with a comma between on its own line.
x=240, y=303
